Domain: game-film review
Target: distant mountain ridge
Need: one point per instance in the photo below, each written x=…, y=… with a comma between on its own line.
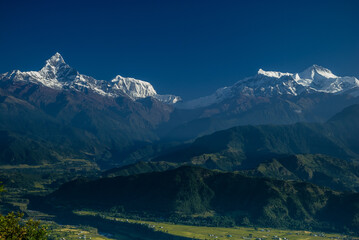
x=326, y=154
x=244, y=147
x=57, y=74
x=270, y=83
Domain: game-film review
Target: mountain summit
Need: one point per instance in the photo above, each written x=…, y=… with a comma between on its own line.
x=271, y=83
x=57, y=69
x=56, y=60
x=57, y=74
x=315, y=71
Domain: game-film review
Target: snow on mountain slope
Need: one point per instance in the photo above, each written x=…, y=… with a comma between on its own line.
x=57, y=74
x=270, y=83
x=135, y=88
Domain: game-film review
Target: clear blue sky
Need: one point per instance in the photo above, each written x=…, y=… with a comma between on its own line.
x=189, y=48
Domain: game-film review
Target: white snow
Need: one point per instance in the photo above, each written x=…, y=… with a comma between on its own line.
x=134, y=88
x=272, y=83
x=316, y=71
x=57, y=74
x=273, y=74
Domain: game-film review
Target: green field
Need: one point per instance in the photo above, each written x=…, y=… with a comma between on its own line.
x=198, y=232
x=69, y=232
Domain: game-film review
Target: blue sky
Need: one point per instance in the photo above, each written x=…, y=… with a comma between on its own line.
x=188, y=48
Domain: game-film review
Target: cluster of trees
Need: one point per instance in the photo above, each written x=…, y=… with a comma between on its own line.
x=13, y=226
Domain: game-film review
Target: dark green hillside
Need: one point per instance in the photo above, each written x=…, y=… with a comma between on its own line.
x=324, y=154
x=191, y=190
x=345, y=127
x=164, y=192
x=244, y=110
x=139, y=167
x=245, y=147
x=319, y=169
x=40, y=125
x=29, y=136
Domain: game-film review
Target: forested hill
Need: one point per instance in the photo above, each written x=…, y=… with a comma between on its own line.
x=186, y=191
x=244, y=147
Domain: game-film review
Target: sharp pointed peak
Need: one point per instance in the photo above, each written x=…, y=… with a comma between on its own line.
x=56, y=60
x=57, y=54
x=56, y=67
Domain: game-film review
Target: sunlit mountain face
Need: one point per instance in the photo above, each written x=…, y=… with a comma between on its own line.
x=314, y=79
x=56, y=74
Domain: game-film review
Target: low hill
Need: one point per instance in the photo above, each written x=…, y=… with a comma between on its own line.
x=319, y=169
x=186, y=191
x=139, y=167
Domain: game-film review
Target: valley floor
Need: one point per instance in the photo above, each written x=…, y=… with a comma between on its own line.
x=207, y=233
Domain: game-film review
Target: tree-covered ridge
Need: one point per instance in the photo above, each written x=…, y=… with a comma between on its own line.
x=322, y=170
x=189, y=191
x=244, y=147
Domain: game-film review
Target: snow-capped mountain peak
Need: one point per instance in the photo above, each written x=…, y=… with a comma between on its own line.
x=57, y=69
x=271, y=83
x=136, y=89
x=57, y=74
x=56, y=60
x=133, y=87
x=55, y=63
x=316, y=71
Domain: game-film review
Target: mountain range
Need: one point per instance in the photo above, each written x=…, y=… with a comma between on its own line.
x=56, y=74
x=243, y=146
x=57, y=113
x=268, y=97
x=315, y=79
x=272, y=150
x=325, y=154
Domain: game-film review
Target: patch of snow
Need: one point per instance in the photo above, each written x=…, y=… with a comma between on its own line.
x=273, y=74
